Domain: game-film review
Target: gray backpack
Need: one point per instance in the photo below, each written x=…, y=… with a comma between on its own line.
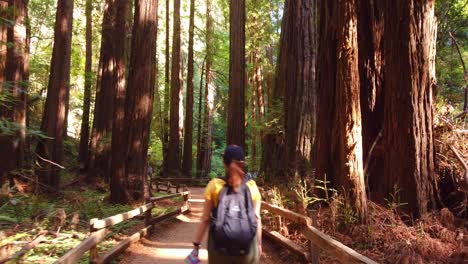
x=234, y=223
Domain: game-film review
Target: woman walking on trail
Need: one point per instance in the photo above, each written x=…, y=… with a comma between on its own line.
x=232, y=213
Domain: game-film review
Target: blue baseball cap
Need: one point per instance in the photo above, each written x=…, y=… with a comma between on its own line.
x=233, y=152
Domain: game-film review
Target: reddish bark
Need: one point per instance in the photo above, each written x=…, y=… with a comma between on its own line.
x=173, y=151
x=84, y=137
x=339, y=153
x=3, y=47
x=13, y=146
x=166, y=93
x=99, y=158
x=188, y=138
x=53, y=120
x=371, y=65
x=408, y=134
x=139, y=97
x=200, y=122
x=237, y=78
x=118, y=187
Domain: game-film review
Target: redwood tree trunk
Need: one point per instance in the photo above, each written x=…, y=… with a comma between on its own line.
x=204, y=161
x=53, y=120
x=188, y=138
x=237, y=78
x=3, y=47
x=139, y=98
x=200, y=122
x=12, y=152
x=371, y=65
x=84, y=137
x=407, y=134
x=340, y=154
x=173, y=151
x=167, y=97
x=99, y=159
x=119, y=146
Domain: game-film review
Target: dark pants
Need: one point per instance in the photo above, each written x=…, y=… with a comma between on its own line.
x=215, y=257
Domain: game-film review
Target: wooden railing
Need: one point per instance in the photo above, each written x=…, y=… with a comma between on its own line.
x=318, y=239
x=166, y=184
x=99, y=230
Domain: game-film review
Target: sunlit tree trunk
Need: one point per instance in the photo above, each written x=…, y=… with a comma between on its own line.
x=339, y=153
x=408, y=112
x=53, y=121
x=253, y=104
x=99, y=158
x=118, y=183
x=173, y=152
x=139, y=97
x=12, y=150
x=167, y=97
x=84, y=137
x=260, y=98
x=200, y=120
x=188, y=138
x=207, y=128
x=237, y=74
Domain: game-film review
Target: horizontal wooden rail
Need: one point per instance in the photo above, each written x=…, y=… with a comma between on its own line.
x=333, y=247
x=323, y=241
x=287, y=243
x=113, y=220
x=99, y=230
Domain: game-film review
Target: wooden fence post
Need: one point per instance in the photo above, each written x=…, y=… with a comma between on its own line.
x=93, y=251
x=148, y=217
x=314, y=250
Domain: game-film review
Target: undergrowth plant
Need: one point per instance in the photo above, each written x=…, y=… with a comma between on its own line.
x=394, y=202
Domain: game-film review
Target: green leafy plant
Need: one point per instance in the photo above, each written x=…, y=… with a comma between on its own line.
x=394, y=202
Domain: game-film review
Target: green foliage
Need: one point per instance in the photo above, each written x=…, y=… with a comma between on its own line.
x=394, y=201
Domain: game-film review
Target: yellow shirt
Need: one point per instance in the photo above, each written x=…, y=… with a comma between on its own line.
x=215, y=186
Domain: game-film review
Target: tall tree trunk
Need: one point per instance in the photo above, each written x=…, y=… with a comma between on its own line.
x=407, y=134
x=53, y=120
x=119, y=146
x=139, y=98
x=237, y=78
x=99, y=159
x=260, y=97
x=295, y=78
x=270, y=77
x=188, y=138
x=207, y=134
x=253, y=104
x=167, y=97
x=12, y=153
x=371, y=65
x=3, y=49
x=200, y=122
x=84, y=137
x=340, y=154
x=173, y=151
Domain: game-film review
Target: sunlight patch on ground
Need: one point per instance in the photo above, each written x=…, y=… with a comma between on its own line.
x=178, y=253
x=186, y=219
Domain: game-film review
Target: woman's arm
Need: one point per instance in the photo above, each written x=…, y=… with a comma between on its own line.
x=257, y=206
x=205, y=221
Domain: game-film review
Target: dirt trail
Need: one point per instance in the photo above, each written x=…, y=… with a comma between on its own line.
x=171, y=241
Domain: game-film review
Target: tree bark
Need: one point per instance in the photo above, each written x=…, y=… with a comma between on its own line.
x=408, y=111
x=340, y=154
x=119, y=146
x=207, y=134
x=237, y=78
x=139, y=98
x=188, y=138
x=3, y=49
x=173, y=151
x=84, y=137
x=253, y=103
x=99, y=158
x=53, y=120
x=371, y=65
x=12, y=152
x=200, y=122
x=167, y=97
